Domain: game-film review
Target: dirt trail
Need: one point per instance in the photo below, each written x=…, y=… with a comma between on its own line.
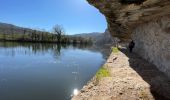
x=131, y=78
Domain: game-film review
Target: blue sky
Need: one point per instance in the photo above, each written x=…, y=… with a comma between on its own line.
x=76, y=16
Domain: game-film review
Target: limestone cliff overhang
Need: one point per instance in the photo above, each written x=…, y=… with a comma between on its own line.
x=124, y=15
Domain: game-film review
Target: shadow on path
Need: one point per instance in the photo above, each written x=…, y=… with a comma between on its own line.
x=159, y=82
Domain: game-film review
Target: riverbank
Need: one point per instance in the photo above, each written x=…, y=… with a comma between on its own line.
x=130, y=78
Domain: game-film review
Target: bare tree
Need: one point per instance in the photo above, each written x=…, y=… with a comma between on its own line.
x=12, y=32
x=24, y=33
x=33, y=35
x=59, y=32
x=4, y=36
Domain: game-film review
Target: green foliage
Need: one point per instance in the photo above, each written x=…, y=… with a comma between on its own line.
x=115, y=50
x=31, y=35
x=43, y=37
x=102, y=72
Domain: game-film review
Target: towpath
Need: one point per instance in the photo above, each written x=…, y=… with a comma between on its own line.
x=131, y=78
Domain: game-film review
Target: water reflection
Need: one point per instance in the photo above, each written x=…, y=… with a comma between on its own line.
x=75, y=92
x=45, y=71
x=11, y=48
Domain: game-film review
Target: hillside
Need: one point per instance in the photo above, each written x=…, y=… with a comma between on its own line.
x=9, y=32
x=93, y=35
x=99, y=38
x=9, y=28
x=13, y=29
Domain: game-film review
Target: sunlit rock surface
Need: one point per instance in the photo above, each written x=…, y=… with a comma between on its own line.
x=153, y=43
x=125, y=15
x=145, y=21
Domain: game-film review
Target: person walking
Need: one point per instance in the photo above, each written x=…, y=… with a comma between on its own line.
x=131, y=46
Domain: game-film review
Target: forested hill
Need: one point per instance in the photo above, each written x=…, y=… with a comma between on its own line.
x=99, y=38
x=13, y=29
x=93, y=35
x=9, y=32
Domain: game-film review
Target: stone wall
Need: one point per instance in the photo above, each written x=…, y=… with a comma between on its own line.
x=153, y=42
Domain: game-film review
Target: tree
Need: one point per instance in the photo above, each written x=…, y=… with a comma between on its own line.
x=33, y=37
x=42, y=36
x=4, y=36
x=59, y=32
x=12, y=32
x=24, y=33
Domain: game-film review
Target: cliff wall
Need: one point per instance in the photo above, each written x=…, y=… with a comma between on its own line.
x=153, y=42
x=147, y=22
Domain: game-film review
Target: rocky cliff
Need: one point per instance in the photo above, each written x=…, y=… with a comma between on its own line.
x=147, y=22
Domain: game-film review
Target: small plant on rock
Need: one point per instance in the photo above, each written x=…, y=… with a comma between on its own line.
x=115, y=50
x=102, y=72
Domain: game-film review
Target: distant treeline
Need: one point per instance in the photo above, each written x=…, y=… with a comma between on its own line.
x=57, y=36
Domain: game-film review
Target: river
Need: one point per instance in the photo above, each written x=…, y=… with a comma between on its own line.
x=36, y=71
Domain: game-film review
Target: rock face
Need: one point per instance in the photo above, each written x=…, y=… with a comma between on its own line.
x=145, y=21
x=125, y=15
x=106, y=39
x=153, y=43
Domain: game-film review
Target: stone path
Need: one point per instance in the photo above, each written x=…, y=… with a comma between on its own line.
x=158, y=81
x=131, y=78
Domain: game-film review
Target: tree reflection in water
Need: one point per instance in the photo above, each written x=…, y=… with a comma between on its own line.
x=13, y=48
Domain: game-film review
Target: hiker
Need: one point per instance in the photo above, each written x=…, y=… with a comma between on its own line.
x=131, y=46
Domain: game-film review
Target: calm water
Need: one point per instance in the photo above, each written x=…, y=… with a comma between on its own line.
x=45, y=71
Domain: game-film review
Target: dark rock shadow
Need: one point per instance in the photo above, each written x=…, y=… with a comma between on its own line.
x=158, y=81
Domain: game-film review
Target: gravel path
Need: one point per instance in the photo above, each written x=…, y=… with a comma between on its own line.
x=131, y=78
